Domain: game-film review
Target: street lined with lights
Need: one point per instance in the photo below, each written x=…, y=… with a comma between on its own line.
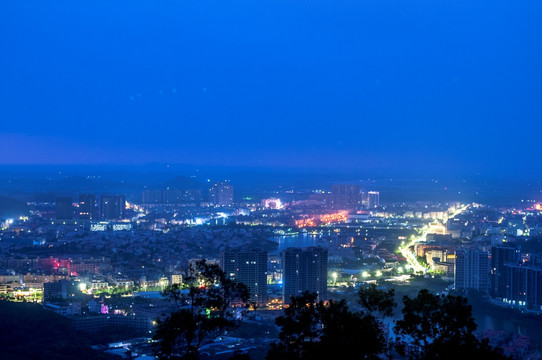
x=407, y=249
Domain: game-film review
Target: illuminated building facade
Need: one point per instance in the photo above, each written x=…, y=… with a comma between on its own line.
x=373, y=199
x=87, y=206
x=272, y=203
x=62, y=289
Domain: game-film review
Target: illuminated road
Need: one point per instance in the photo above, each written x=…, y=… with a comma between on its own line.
x=407, y=249
x=410, y=256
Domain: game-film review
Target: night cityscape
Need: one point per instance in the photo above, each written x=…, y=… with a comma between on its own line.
x=271, y=180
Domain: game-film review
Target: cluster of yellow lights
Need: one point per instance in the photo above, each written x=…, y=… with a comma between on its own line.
x=323, y=220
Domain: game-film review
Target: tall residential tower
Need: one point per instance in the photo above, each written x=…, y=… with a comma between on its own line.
x=304, y=270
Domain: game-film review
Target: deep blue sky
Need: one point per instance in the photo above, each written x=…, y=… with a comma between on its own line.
x=388, y=85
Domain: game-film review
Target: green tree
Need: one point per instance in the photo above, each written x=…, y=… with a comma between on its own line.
x=440, y=327
x=203, y=311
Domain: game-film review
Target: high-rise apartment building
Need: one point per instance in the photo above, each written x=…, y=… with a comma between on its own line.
x=87, y=206
x=523, y=285
x=64, y=208
x=472, y=270
x=373, y=199
x=345, y=196
x=112, y=207
x=304, y=270
x=501, y=255
x=249, y=268
x=221, y=194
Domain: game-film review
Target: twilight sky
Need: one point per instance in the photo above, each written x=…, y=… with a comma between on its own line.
x=423, y=85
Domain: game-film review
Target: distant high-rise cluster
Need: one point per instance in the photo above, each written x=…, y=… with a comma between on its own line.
x=350, y=197
x=345, y=196
x=171, y=196
x=112, y=207
x=221, y=194
x=64, y=208
x=304, y=270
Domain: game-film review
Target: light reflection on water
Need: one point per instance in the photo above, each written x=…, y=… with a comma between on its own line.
x=302, y=240
x=509, y=324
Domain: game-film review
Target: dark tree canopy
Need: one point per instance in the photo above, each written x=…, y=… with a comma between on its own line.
x=440, y=327
x=318, y=330
x=432, y=326
x=377, y=301
x=203, y=311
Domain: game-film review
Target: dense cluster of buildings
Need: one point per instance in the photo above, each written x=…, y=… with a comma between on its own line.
x=134, y=249
x=503, y=273
x=492, y=261
x=350, y=196
x=110, y=207
x=218, y=194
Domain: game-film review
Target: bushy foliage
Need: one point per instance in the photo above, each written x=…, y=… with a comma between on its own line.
x=203, y=311
x=320, y=330
x=432, y=327
x=440, y=327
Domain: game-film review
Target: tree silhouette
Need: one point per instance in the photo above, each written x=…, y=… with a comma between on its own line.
x=203, y=311
x=378, y=304
x=311, y=330
x=440, y=327
x=377, y=301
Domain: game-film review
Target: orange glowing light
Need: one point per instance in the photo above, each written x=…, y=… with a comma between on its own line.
x=322, y=220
